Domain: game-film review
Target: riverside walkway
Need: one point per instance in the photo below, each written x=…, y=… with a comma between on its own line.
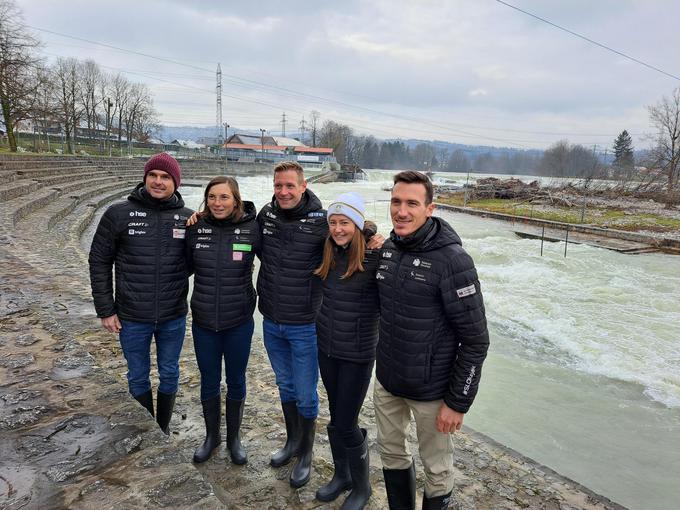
x=72, y=437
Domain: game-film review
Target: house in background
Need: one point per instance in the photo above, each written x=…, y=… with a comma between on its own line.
x=274, y=149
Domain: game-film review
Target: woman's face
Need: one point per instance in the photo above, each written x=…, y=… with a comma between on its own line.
x=220, y=201
x=341, y=229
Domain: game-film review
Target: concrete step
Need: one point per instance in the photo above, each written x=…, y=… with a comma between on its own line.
x=17, y=189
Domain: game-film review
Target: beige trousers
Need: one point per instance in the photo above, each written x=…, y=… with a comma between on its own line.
x=392, y=418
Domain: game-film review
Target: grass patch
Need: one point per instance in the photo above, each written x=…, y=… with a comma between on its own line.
x=598, y=216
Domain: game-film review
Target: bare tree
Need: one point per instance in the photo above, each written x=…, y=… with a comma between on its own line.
x=665, y=117
x=120, y=95
x=19, y=70
x=90, y=78
x=66, y=94
x=314, y=126
x=137, y=108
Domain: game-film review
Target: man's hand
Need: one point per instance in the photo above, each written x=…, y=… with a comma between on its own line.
x=376, y=242
x=193, y=219
x=112, y=323
x=448, y=420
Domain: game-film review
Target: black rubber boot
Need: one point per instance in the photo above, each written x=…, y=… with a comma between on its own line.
x=289, y=450
x=234, y=418
x=361, y=485
x=400, y=485
x=303, y=467
x=146, y=399
x=212, y=414
x=436, y=503
x=165, y=403
x=341, y=480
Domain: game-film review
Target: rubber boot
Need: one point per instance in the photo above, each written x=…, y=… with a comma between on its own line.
x=234, y=418
x=341, y=480
x=289, y=450
x=303, y=467
x=212, y=414
x=146, y=399
x=358, y=468
x=400, y=485
x=436, y=503
x=165, y=403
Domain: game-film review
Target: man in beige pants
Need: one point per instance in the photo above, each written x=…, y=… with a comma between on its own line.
x=433, y=341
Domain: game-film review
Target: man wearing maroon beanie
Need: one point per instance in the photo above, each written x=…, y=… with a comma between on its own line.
x=143, y=238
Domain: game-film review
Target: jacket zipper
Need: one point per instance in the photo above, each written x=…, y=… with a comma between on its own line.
x=159, y=241
x=217, y=278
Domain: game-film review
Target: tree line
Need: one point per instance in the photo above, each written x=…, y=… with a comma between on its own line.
x=70, y=96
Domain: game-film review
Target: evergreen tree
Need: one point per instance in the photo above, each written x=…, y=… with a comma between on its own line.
x=623, y=152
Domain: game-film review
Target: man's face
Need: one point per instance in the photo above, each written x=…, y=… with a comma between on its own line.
x=407, y=208
x=159, y=184
x=288, y=188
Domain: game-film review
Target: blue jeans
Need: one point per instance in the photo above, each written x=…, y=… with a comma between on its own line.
x=232, y=345
x=135, y=339
x=292, y=353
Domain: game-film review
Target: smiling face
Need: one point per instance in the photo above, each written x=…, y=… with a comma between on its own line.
x=408, y=208
x=341, y=229
x=159, y=184
x=288, y=188
x=220, y=201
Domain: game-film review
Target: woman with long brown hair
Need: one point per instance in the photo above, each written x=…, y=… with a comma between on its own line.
x=221, y=248
x=347, y=333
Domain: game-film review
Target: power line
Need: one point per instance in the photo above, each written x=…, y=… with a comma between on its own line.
x=591, y=41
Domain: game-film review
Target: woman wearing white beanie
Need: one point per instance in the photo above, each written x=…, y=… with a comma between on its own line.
x=347, y=333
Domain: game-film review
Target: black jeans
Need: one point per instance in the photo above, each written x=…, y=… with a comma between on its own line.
x=346, y=384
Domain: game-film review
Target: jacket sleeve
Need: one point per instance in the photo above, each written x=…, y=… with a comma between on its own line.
x=101, y=259
x=464, y=308
x=189, y=241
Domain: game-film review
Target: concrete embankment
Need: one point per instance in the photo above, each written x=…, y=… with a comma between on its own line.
x=71, y=436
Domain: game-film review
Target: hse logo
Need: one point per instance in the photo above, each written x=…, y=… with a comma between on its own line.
x=139, y=214
x=468, y=381
x=387, y=254
x=270, y=214
x=204, y=231
x=379, y=276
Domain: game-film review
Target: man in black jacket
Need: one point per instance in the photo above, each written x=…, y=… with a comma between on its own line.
x=143, y=238
x=293, y=227
x=432, y=343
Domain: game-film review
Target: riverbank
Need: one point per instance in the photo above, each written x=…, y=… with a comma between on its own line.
x=73, y=438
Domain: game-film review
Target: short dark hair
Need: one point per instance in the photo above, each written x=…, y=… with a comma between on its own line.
x=284, y=166
x=413, y=177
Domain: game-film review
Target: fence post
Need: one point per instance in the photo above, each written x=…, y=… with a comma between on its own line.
x=566, y=242
x=542, y=236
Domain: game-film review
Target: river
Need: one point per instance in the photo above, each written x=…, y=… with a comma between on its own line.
x=583, y=374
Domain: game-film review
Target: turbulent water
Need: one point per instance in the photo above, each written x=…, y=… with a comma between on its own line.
x=584, y=369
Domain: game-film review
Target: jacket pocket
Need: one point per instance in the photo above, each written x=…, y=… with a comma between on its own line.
x=428, y=364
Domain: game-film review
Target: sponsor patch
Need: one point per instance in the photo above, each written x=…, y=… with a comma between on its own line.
x=242, y=247
x=237, y=255
x=387, y=254
x=422, y=263
x=379, y=276
x=178, y=233
x=138, y=224
x=139, y=214
x=316, y=214
x=466, y=291
x=270, y=214
x=419, y=277
x=204, y=231
x=201, y=245
x=267, y=232
x=133, y=232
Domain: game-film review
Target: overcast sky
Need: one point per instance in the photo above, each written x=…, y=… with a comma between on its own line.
x=465, y=71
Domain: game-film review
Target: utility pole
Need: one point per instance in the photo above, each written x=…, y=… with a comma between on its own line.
x=218, y=114
x=226, y=137
x=283, y=124
x=262, y=142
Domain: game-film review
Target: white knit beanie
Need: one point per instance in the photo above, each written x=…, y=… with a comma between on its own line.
x=351, y=205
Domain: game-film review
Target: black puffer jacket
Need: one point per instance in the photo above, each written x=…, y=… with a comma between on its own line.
x=433, y=335
x=144, y=238
x=347, y=323
x=221, y=253
x=292, y=246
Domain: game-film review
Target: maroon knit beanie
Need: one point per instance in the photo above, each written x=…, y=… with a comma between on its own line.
x=164, y=161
